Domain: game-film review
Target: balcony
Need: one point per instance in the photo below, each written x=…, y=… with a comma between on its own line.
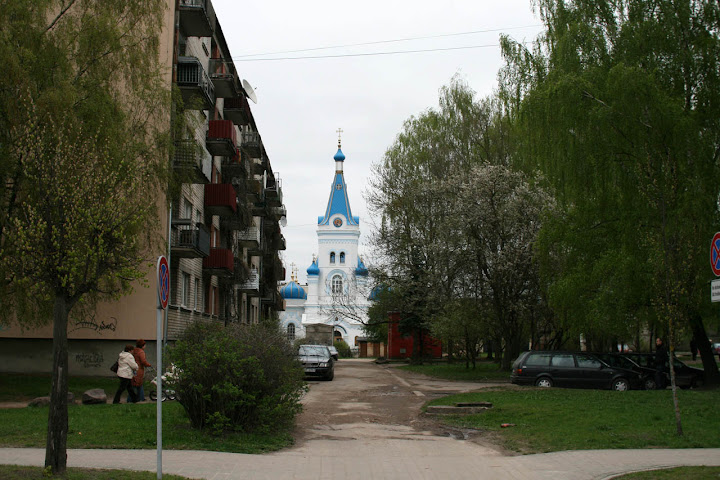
x=192, y=162
x=278, y=212
x=278, y=243
x=197, y=18
x=252, y=285
x=259, y=165
x=237, y=109
x=250, y=142
x=188, y=240
x=273, y=191
x=221, y=138
x=220, y=199
x=224, y=78
x=234, y=170
x=250, y=237
x=220, y=262
x=253, y=193
x=197, y=90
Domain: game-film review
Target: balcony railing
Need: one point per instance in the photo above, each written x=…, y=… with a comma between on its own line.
x=249, y=237
x=273, y=190
x=220, y=262
x=250, y=142
x=234, y=170
x=197, y=18
x=192, y=162
x=259, y=165
x=220, y=199
x=197, y=90
x=224, y=77
x=188, y=240
x=251, y=285
x=237, y=109
x=221, y=138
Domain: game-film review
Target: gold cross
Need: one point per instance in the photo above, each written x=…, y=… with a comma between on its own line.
x=339, y=132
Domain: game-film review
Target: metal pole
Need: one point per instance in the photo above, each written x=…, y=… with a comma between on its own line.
x=158, y=400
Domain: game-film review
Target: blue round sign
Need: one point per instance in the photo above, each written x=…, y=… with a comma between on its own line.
x=715, y=254
x=163, y=281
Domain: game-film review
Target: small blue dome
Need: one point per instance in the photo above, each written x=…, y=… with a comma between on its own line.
x=313, y=269
x=293, y=291
x=361, y=271
x=339, y=156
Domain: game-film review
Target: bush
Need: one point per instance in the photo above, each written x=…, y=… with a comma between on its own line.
x=343, y=349
x=239, y=378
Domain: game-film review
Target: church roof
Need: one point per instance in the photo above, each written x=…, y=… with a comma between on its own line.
x=313, y=269
x=293, y=291
x=338, y=202
x=361, y=270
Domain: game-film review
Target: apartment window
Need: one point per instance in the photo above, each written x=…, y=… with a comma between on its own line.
x=337, y=285
x=198, y=295
x=187, y=209
x=185, y=289
x=342, y=257
x=332, y=257
x=291, y=332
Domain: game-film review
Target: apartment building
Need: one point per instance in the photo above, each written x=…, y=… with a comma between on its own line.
x=223, y=227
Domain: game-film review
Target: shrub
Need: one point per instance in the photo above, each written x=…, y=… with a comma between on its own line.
x=343, y=349
x=241, y=377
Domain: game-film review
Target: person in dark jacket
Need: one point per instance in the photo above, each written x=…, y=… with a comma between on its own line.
x=661, y=360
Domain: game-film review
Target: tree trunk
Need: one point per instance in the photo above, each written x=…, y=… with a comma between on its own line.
x=56, y=446
x=712, y=376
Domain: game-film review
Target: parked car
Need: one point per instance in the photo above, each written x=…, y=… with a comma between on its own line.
x=317, y=361
x=571, y=369
x=685, y=376
x=622, y=361
x=716, y=348
x=334, y=352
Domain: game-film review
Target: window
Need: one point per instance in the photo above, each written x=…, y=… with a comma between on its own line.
x=185, y=289
x=198, y=295
x=332, y=257
x=585, y=361
x=538, y=359
x=337, y=285
x=342, y=257
x=562, y=360
x=291, y=332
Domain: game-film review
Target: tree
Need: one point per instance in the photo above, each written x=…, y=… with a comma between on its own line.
x=82, y=153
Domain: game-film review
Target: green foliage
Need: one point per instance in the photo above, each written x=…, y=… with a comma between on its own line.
x=484, y=371
x=548, y=420
x=343, y=349
x=242, y=378
x=678, y=473
x=17, y=472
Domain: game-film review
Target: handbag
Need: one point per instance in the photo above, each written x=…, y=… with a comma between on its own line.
x=114, y=367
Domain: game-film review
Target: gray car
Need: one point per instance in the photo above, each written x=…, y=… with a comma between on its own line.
x=317, y=361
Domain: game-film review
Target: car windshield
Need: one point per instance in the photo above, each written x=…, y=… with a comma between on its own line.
x=314, y=350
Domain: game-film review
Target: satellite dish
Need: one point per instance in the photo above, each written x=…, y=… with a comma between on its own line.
x=249, y=91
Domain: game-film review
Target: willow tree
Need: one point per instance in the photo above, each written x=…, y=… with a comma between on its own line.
x=82, y=155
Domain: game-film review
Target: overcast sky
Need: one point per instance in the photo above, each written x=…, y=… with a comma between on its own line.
x=359, y=88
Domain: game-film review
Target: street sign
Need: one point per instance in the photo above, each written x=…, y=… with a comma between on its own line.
x=715, y=254
x=715, y=291
x=163, y=281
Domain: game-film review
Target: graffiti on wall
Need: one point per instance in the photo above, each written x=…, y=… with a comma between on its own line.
x=99, y=326
x=89, y=360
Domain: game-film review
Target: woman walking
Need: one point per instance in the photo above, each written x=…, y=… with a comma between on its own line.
x=126, y=368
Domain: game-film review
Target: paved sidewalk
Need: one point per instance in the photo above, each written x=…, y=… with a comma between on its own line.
x=426, y=460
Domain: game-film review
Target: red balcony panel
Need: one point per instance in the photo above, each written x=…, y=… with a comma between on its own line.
x=221, y=138
x=219, y=261
x=220, y=198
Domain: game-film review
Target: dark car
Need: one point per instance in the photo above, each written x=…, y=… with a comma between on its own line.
x=622, y=361
x=317, y=361
x=685, y=376
x=571, y=369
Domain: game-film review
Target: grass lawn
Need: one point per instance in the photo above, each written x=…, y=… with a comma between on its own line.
x=13, y=472
x=680, y=473
x=114, y=426
x=547, y=420
x=483, y=372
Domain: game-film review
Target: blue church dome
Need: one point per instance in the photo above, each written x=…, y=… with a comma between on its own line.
x=313, y=269
x=339, y=156
x=293, y=291
x=361, y=271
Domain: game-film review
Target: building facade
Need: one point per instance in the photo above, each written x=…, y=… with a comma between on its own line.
x=222, y=230
x=337, y=286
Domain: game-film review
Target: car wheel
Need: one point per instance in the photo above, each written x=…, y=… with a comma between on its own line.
x=330, y=375
x=620, y=385
x=650, y=384
x=544, y=382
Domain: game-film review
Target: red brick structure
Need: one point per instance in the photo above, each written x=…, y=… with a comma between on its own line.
x=401, y=346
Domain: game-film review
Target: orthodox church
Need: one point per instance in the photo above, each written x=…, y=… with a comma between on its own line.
x=337, y=281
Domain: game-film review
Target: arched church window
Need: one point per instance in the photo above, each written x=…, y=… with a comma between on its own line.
x=342, y=257
x=337, y=286
x=332, y=257
x=291, y=332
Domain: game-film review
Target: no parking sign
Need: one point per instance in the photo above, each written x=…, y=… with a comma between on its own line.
x=715, y=265
x=163, y=281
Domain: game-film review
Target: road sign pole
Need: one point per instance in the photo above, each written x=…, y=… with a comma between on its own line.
x=163, y=289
